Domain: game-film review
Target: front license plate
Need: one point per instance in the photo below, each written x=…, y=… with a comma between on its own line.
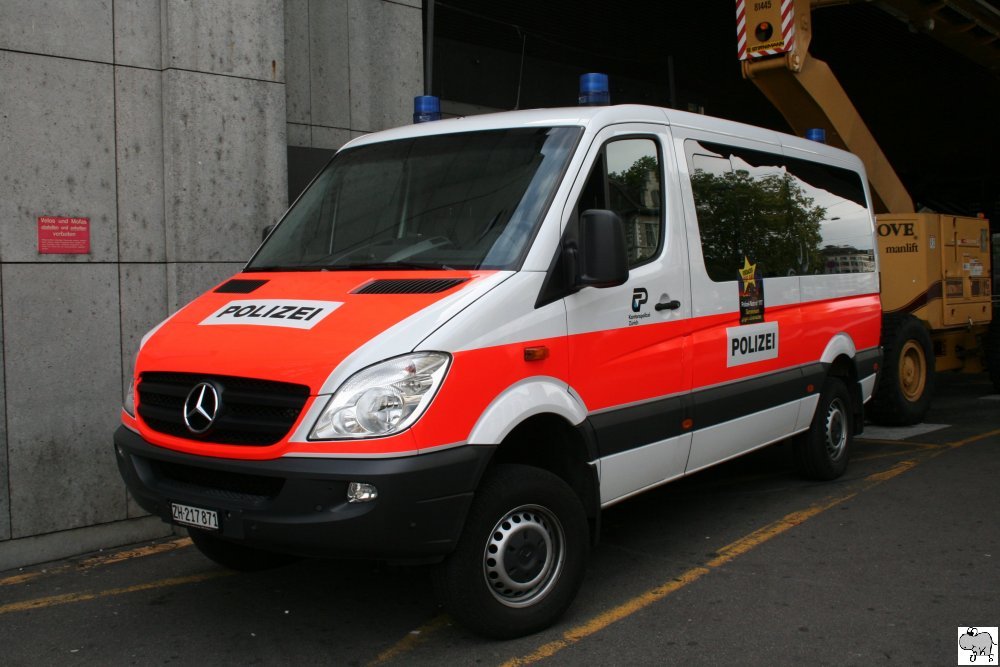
x=195, y=516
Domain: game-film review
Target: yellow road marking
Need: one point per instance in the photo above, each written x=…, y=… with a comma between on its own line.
x=873, y=457
x=55, y=600
x=895, y=470
x=724, y=555
x=98, y=561
x=974, y=438
x=573, y=635
x=139, y=552
x=900, y=443
x=411, y=641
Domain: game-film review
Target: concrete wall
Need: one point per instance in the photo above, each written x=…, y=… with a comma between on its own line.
x=354, y=67
x=164, y=123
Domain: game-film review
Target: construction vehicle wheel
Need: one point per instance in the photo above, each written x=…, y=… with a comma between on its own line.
x=907, y=381
x=993, y=350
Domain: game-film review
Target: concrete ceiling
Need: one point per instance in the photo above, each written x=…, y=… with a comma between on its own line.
x=933, y=108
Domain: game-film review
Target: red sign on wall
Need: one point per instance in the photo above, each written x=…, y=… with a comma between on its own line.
x=58, y=235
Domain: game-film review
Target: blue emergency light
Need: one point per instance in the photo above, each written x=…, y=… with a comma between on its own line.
x=816, y=134
x=594, y=90
x=426, y=108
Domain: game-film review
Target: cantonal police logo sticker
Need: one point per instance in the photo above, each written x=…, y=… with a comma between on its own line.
x=977, y=646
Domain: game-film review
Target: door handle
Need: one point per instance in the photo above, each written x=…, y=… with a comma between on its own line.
x=668, y=305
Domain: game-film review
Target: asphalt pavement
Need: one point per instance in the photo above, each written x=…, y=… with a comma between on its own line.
x=741, y=564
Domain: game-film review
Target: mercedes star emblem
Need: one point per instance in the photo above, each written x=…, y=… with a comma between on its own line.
x=201, y=407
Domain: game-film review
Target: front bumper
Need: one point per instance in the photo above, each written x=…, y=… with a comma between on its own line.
x=299, y=505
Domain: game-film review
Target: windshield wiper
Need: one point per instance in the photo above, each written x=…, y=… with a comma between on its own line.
x=356, y=266
x=389, y=266
x=269, y=269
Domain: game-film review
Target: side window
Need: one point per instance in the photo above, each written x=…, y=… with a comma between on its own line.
x=626, y=179
x=789, y=216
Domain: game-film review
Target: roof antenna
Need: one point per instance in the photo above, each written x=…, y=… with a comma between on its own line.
x=520, y=73
x=429, y=49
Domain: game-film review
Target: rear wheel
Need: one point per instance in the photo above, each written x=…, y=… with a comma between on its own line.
x=236, y=556
x=521, y=557
x=822, y=452
x=907, y=381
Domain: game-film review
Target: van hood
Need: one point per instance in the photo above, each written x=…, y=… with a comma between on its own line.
x=299, y=326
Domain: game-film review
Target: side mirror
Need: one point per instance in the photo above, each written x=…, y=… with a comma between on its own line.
x=266, y=232
x=602, y=260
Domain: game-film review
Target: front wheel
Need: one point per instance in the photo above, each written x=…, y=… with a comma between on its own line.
x=822, y=452
x=521, y=557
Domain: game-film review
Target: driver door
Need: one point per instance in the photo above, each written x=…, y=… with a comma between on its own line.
x=629, y=344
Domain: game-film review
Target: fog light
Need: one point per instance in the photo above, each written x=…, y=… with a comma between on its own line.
x=360, y=492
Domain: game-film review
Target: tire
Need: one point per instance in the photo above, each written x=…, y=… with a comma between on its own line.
x=236, y=556
x=906, y=385
x=992, y=345
x=823, y=451
x=534, y=519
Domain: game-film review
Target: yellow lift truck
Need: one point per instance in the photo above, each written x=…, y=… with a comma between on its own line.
x=935, y=268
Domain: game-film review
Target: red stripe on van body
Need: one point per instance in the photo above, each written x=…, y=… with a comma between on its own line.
x=611, y=368
x=804, y=333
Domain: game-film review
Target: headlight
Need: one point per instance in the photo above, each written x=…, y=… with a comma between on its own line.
x=383, y=399
x=129, y=404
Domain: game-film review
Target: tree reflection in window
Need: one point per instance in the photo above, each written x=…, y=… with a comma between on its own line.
x=634, y=193
x=769, y=219
x=789, y=215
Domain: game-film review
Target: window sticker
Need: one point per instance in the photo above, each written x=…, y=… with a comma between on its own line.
x=751, y=287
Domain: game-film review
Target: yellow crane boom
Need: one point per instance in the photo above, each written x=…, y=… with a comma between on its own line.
x=935, y=286
x=774, y=38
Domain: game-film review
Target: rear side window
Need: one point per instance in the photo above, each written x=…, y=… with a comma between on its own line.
x=626, y=179
x=789, y=216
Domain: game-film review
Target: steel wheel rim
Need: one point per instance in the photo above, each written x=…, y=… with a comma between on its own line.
x=524, y=555
x=912, y=371
x=836, y=430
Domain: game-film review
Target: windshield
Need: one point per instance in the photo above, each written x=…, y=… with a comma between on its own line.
x=456, y=201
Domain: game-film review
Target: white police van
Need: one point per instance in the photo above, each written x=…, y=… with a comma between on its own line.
x=470, y=336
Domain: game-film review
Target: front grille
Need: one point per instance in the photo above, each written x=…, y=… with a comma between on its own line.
x=221, y=484
x=251, y=412
x=408, y=285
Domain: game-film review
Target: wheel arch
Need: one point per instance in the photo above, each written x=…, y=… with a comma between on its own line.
x=547, y=441
x=541, y=422
x=522, y=400
x=838, y=358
